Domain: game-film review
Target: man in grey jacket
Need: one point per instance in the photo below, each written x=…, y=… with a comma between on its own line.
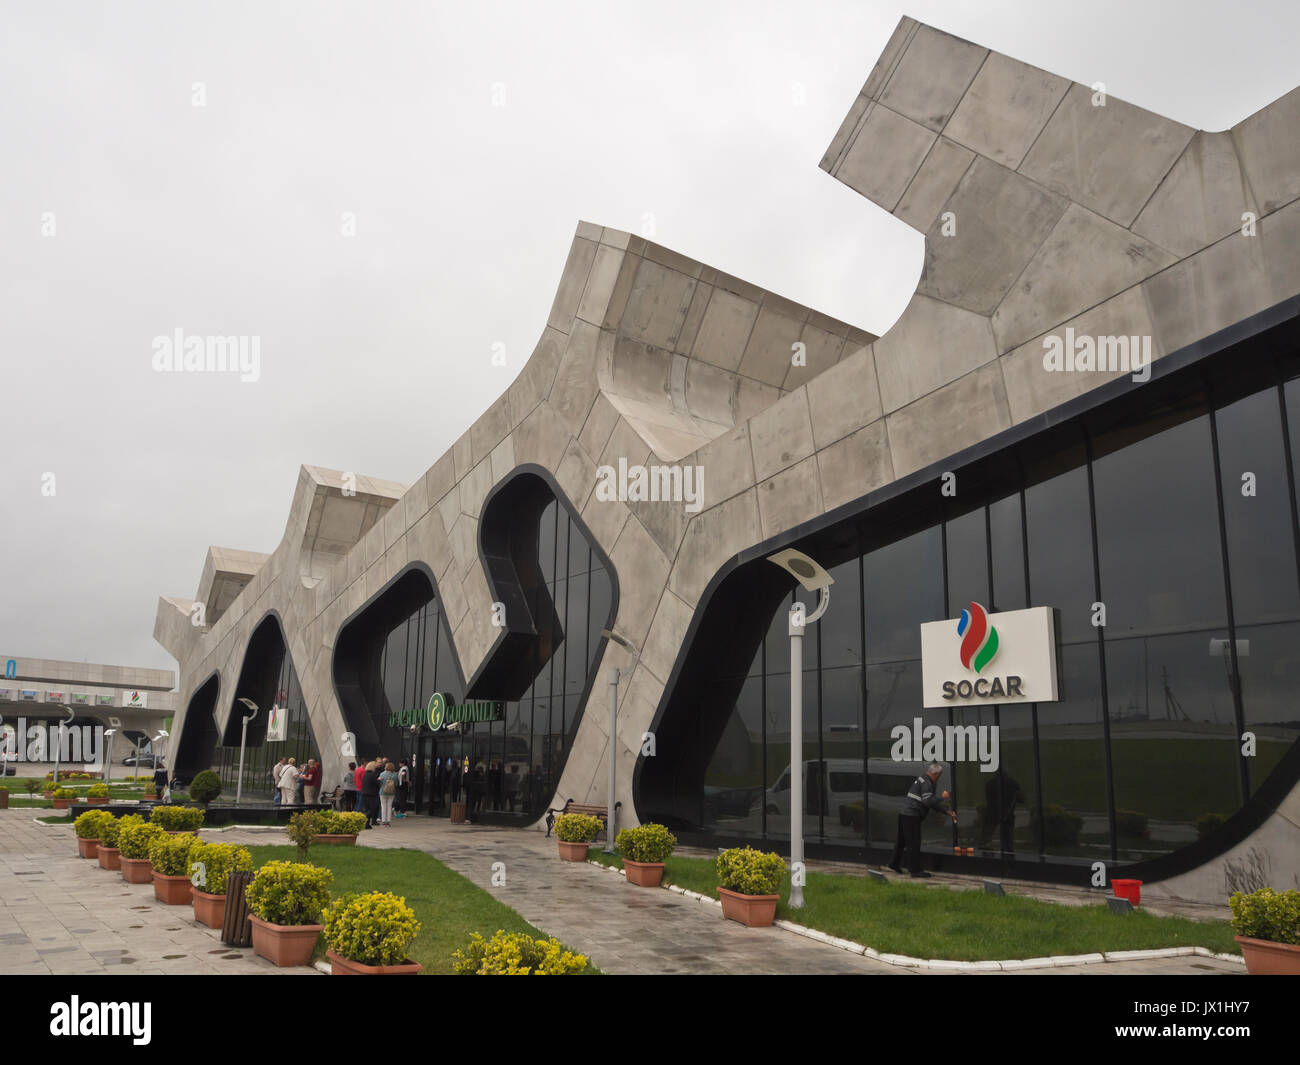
x=921, y=799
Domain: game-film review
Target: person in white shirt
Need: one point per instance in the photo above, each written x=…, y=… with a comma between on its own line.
x=275, y=781
x=289, y=783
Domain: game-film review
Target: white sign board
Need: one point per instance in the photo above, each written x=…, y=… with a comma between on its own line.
x=277, y=725
x=135, y=700
x=983, y=659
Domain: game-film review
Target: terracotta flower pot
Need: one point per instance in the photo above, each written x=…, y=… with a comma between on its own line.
x=109, y=857
x=63, y=804
x=48, y=794
x=97, y=800
x=643, y=874
x=173, y=890
x=209, y=909
x=87, y=848
x=573, y=852
x=284, y=944
x=4, y=800
x=344, y=839
x=1263, y=957
x=344, y=967
x=755, y=911
x=137, y=870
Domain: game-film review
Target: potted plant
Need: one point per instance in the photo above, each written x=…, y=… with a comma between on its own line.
x=88, y=828
x=302, y=831
x=170, y=857
x=97, y=794
x=48, y=788
x=339, y=828
x=210, y=865
x=109, y=856
x=1267, y=924
x=177, y=819
x=63, y=798
x=748, y=884
x=516, y=954
x=4, y=797
x=369, y=935
x=286, y=903
x=575, y=833
x=644, y=850
x=205, y=787
x=133, y=841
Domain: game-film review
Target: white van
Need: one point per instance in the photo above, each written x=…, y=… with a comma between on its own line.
x=834, y=786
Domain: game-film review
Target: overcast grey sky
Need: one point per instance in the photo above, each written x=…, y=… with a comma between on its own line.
x=376, y=350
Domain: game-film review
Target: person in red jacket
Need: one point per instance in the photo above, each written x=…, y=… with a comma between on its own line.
x=311, y=778
x=358, y=776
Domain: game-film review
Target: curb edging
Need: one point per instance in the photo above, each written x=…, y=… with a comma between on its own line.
x=903, y=961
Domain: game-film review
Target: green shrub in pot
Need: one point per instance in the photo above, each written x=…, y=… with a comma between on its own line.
x=170, y=855
x=645, y=843
x=205, y=786
x=1267, y=914
x=750, y=872
x=290, y=893
x=133, y=840
x=90, y=825
x=211, y=863
x=177, y=818
x=376, y=928
x=577, y=828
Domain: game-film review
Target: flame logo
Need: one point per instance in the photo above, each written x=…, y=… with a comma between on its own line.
x=979, y=639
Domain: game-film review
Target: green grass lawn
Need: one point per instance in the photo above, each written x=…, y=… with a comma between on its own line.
x=448, y=906
x=925, y=922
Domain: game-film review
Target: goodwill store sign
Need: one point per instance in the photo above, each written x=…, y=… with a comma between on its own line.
x=982, y=659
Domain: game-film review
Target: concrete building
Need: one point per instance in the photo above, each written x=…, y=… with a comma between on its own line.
x=1088, y=403
x=139, y=703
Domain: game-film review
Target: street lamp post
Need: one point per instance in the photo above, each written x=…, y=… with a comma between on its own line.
x=108, y=760
x=813, y=578
x=611, y=821
x=243, y=740
x=58, y=743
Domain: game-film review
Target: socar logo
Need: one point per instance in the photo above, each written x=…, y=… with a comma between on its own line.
x=979, y=639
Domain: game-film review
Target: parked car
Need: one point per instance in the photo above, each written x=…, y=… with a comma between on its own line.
x=834, y=786
x=141, y=760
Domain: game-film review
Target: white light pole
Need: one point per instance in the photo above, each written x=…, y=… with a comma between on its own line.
x=58, y=743
x=243, y=740
x=814, y=579
x=611, y=823
x=108, y=759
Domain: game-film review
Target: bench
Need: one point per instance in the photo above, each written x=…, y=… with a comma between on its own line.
x=590, y=809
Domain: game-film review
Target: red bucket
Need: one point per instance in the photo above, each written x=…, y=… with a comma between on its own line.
x=1128, y=889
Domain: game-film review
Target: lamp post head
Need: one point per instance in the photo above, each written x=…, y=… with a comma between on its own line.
x=812, y=576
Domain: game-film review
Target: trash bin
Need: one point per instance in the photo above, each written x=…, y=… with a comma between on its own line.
x=458, y=813
x=236, y=929
x=1127, y=889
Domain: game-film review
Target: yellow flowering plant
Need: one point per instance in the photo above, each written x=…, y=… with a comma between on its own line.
x=516, y=954
x=377, y=928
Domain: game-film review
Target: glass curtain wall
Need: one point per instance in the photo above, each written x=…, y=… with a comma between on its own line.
x=508, y=767
x=1167, y=546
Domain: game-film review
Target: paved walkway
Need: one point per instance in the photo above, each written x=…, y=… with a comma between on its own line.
x=56, y=918
x=626, y=929
x=64, y=915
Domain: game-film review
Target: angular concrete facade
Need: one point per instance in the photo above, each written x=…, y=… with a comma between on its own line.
x=1042, y=210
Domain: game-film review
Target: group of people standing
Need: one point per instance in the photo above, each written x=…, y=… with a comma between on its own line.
x=292, y=786
x=477, y=787
x=378, y=789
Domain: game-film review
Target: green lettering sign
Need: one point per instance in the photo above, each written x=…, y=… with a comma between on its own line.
x=441, y=711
